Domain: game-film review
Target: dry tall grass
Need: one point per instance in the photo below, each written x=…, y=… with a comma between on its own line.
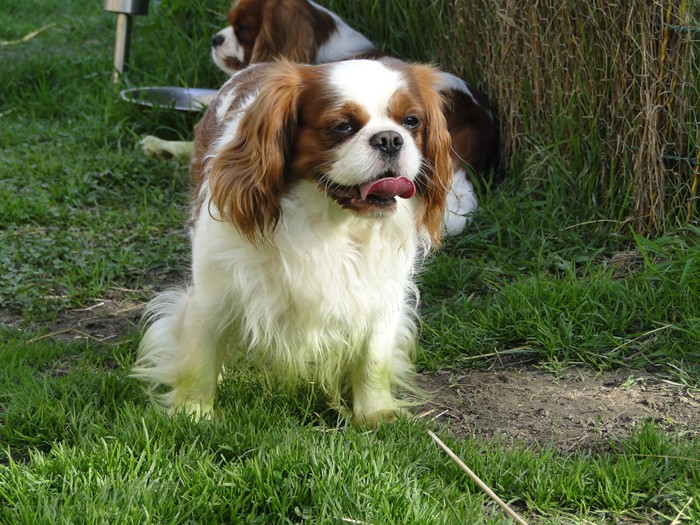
x=609, y=89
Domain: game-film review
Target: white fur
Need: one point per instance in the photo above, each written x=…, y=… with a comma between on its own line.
x=460, y=205
x=226, y=99
x=356, y=157
x=374, y=95
x=343, y=43
x=329, y=299
x=357, y=153
x=230, y=47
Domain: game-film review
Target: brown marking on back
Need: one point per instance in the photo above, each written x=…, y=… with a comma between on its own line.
x=473, y=131
x=209, y=129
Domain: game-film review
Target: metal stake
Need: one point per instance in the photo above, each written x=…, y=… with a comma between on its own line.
x=126, y=10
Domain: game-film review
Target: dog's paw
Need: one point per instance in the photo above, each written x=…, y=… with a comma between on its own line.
x=154, y=147
x=377, y=418
x=196, y=410
x=166, y=149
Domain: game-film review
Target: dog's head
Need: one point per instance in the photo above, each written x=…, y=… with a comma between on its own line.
x=365, y=132
x=260, y=30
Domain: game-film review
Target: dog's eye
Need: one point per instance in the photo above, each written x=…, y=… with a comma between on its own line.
x=242, y=28
x=344, y=128
x=411, y=122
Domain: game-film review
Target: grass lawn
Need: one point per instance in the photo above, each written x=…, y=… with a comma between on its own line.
x=542, y=281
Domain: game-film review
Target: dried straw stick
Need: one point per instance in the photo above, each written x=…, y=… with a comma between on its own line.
x=476, y=480
x=26, y=37
x=678, y=519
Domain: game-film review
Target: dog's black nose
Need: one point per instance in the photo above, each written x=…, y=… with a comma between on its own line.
x=217, y=40
x=388, y=142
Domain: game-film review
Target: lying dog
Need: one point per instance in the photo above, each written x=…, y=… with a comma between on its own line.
x=319, y=190
x=303, y=31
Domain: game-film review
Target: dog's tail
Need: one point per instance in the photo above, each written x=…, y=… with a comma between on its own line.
x=157, y=363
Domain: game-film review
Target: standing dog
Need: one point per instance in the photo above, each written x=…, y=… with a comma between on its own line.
x=319, y=190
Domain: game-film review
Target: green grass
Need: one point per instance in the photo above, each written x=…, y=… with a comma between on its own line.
x=81, y=447
x=542, y=277
x=556, y=298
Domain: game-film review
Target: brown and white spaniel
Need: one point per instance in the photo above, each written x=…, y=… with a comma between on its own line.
x=319, y=191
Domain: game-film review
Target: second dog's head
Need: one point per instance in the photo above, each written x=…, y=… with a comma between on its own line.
x=260, y=30
x=363, y=132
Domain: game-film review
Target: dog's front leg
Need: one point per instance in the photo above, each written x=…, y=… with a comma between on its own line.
x=386, y=365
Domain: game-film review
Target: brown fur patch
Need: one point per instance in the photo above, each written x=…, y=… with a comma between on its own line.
x=473, y=131
x=268, y=29
x=436, y=174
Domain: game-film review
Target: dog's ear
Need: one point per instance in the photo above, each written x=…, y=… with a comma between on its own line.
x=287, y=31
x=436, y=172
x=247, y=176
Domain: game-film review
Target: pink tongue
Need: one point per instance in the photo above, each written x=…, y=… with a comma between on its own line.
x=388, y=187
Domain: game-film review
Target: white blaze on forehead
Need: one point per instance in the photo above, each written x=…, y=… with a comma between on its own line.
x=367, y=82
x=371, y=85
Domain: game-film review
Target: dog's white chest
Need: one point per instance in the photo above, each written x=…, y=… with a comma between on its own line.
x=320, y=283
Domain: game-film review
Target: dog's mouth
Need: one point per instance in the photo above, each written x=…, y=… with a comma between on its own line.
x=376, y=195
x=231, y=64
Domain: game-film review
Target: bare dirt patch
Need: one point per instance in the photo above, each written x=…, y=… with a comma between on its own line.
x=107, y=318
x=575, y=409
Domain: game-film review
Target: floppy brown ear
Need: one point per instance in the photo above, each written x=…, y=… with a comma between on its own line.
x=436, y=173
x=286, y=31
x=247, y=177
